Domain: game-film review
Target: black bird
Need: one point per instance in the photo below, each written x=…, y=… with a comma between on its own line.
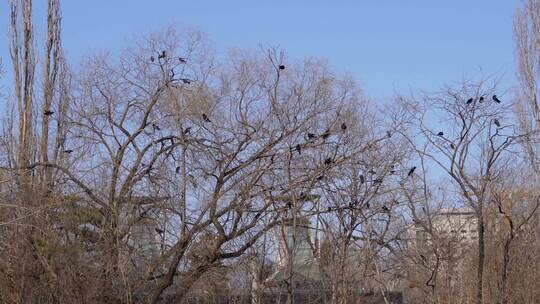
x=205, y=118
x=411, y=171
x=282, y=67
x=441, y=133
x=385, y=209
x=389, y=134
x=177, y=170
x=162, y=55
x=310, y=135
x=68, y=151
x=343, y=126
x=48, y=113
x=452, y=146
x=186, y=81
x=320, y=177
x=496, y=122
x=350, y=205
x=152, y=58
x=298, y=148
x=158, y=230
x=362, y=180
x=328, y=161
x=329, y=209
x=156, y=127
x=182, y=60
x=187, y=130
x=470, y=100
x=367, y=205
x=496, y=99
x=326, y=134
x=481, y=99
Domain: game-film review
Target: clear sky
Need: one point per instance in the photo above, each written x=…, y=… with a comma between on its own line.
x=386, y=45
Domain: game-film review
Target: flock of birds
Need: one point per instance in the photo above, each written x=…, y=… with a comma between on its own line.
x=309, y=136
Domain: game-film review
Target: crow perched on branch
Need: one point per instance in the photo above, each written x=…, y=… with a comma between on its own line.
x=187, y=130
x=362, y=179
x=281, y=67
x=48, y=113
x=298, y=149
x=162, y=55
x=68, y=151
x=205, y=117
x=470, y=100
x=343, y=126
x=411, y=171
x=452, y=146
x=496, y=99
x=496, y=122
x=481, y=99
x=311, y=136
x=441, y=133
x=328, y=161
x=182, y=60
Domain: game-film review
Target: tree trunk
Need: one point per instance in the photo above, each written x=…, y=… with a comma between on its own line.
x=481, y=258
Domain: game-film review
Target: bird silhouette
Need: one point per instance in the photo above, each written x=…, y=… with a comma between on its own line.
x=326, y=134
x=367, y=205
x=156, y=127
x=388, y=134
x=343, y=126
x=177, y=170
x=411, y=171
x=186, y=81
x=311, y=136
x=187, y=130
x=282, y=67
x=481, y=99
x=205, y=118
x=158, y=230
x=452, y=146
x=68, y=151
x=152, y=58
x=496, y=99
x=440, y=133
x=362, y=180
x=48, y=113
x=162, y=55
x=328, y=161
x=329, y=209
x=470, y=100
x=182, y=60
x=320, y=177
x=298, y=149
x=496, y=122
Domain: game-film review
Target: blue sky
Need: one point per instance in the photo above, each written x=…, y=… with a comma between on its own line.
x=386, y=45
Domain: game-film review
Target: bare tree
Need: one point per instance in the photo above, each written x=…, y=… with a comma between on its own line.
x=468, y=131
x=527, y=38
